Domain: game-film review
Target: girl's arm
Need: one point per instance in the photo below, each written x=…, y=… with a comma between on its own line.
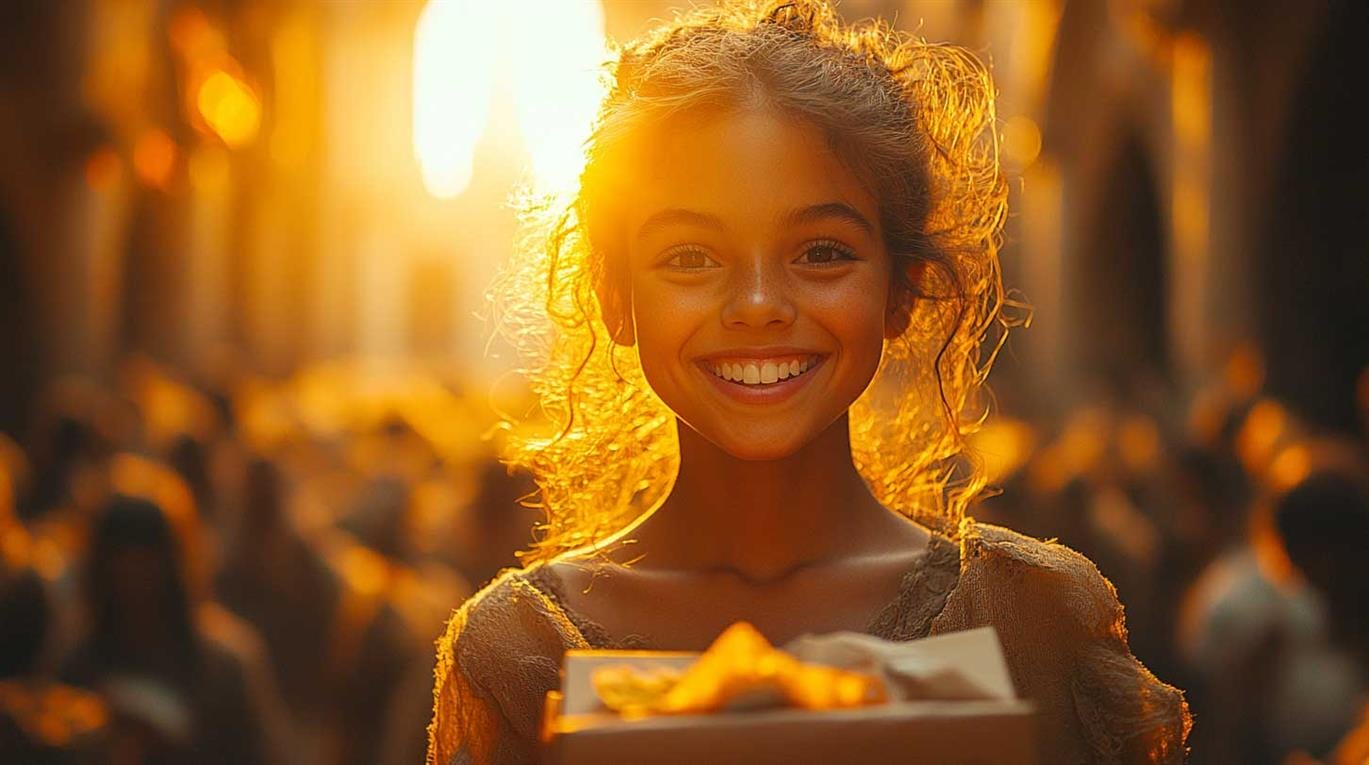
x=500, y=654
x=466, y=724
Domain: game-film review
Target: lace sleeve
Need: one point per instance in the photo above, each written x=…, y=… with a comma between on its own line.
x=466, y=722
x=500, y=654
x=1127, y=714
x=1065, y=638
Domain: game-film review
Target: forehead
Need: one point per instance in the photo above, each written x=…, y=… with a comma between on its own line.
x=747, y=168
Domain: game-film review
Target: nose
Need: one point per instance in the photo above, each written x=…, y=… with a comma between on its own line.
x=758, y=297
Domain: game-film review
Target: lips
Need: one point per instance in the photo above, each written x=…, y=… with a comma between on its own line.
x=761, y=377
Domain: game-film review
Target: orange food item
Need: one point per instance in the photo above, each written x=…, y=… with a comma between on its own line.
x=740, y=670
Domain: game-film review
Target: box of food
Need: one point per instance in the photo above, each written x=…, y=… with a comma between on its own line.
x=843, y=698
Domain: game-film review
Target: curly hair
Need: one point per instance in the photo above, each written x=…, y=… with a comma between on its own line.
x=914, y=121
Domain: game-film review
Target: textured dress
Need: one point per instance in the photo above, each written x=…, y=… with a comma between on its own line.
x=1058, y=619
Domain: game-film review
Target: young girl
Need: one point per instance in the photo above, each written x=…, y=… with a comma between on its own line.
x=759, y=327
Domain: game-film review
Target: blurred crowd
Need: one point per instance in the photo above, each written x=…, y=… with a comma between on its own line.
x=1237, y=536
x=241, y=572
x=253, y=571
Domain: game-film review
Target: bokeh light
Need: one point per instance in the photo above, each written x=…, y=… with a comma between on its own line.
x=454, y=55
x=230, y=108
x=1021, y=140
x=154, y=158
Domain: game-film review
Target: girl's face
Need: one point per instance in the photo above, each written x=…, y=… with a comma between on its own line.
x=759, y=279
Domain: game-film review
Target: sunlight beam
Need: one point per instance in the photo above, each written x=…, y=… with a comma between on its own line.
x=454, y=59
x=557, y=87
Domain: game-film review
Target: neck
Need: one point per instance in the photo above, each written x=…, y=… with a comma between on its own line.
x=762, y=519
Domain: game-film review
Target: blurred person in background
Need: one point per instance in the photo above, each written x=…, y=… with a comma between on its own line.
x=41, y=722
x=185, y=681
x=76, y=430
x=495, y=522
x=189, y=457
x=1214, y=483
x=15, y=475
x=1323, y=525
x=277, y=581
x=410, y=597
x=1278, y=654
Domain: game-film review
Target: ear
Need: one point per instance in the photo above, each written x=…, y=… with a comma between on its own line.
x=903, y=294
x=615, y=309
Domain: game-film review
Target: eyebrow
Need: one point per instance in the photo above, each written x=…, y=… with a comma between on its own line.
x=810, y=214
x=677, y=216
x=827, y=211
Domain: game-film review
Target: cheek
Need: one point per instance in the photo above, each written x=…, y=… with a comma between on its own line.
x=664, y=318
x=854, y=312
x=863, y=344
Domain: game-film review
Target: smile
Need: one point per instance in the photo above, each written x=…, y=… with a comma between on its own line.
x=763, y=379
x=762, y=371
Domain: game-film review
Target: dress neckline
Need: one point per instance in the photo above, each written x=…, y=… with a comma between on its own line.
x=922, y=594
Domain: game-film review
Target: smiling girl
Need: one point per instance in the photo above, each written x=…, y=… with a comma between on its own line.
x=759, y=327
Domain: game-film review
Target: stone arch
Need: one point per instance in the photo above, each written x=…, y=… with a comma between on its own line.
x=1312, y=263
x=1119, y=285
x=1106, y=126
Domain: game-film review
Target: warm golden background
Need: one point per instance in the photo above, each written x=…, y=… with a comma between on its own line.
x=249, y=240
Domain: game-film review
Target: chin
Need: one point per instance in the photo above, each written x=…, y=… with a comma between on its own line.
x=757, y=447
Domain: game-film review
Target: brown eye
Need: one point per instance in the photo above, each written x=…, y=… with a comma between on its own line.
x=690, y=260
x=825, y=253
x=693, y=259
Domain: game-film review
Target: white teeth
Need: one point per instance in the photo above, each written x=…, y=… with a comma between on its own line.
x=762, y=373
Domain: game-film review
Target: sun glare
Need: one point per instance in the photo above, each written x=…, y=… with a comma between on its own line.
x=557, y=86
x=552, y=59
x=454, y=60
